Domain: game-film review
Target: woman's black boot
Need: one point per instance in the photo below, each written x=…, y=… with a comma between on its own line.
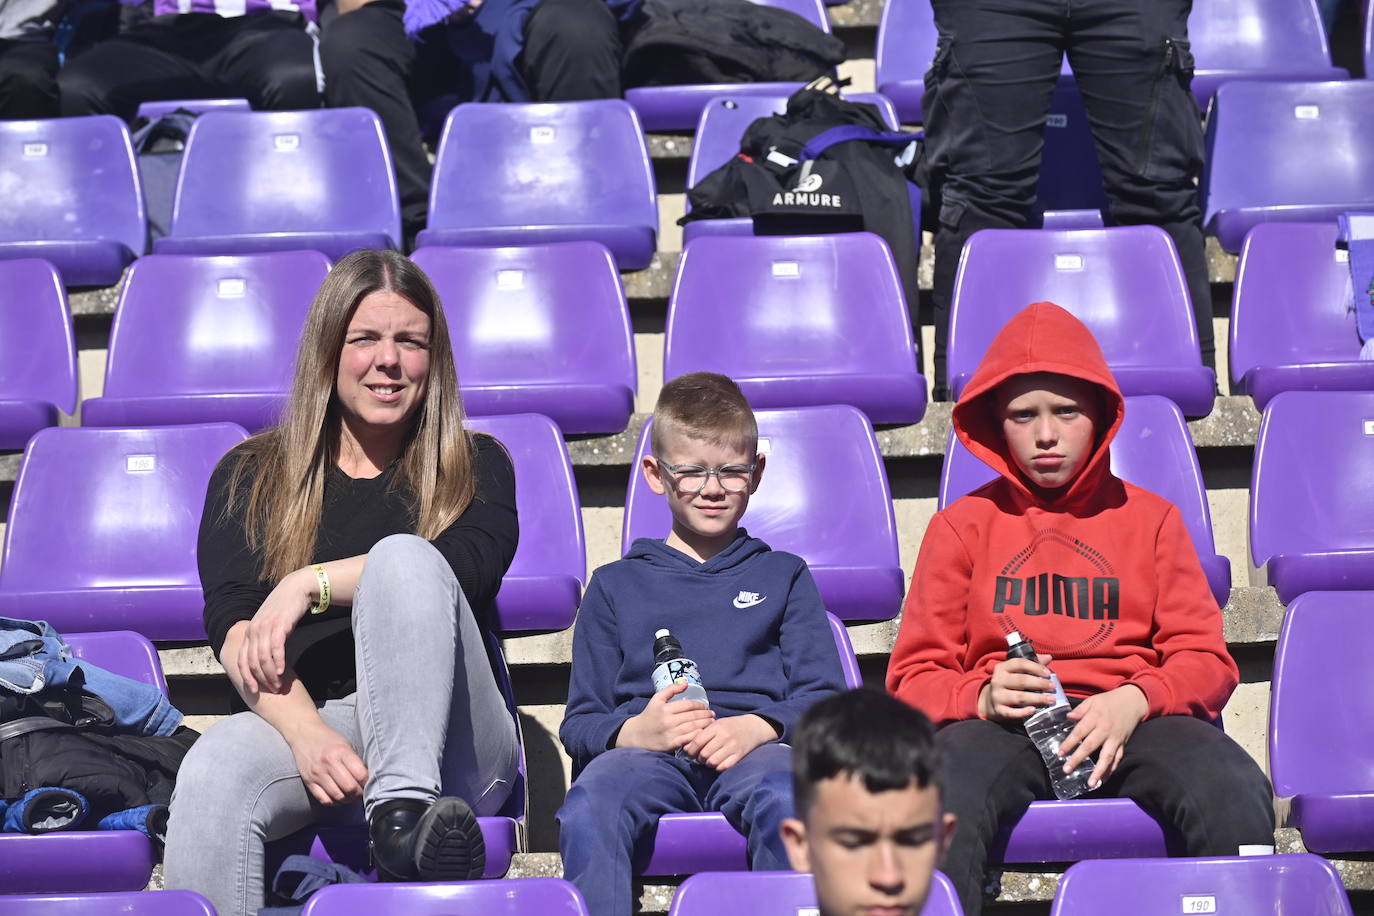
x=412, y=841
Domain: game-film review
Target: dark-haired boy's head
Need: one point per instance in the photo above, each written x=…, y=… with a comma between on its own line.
x=707, y=407
x=869, y=825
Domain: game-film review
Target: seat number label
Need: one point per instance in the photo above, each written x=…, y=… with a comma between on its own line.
x=1369, y=427
x=1200, y=903
x=140, y=463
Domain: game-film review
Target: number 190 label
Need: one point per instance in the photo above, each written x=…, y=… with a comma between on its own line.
x=1200, y=904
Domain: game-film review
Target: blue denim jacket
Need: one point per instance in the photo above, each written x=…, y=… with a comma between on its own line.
x=33, y=656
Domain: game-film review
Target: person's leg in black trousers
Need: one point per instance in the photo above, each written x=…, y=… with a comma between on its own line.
x=28, y=80
x=987, y=94
x=269, y=59
x=572, y=51
x=369, y=61
x=991, y=774
x=1132, y=62
x=1193, y=776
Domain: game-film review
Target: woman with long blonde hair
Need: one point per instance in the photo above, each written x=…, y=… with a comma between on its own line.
x=349, y=558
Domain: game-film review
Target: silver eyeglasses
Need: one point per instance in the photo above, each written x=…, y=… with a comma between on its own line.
x=692, y=478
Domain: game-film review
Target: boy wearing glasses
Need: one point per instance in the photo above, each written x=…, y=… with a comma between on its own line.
x=749, y=616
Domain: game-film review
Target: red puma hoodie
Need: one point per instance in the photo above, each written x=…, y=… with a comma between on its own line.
x=1102, y=575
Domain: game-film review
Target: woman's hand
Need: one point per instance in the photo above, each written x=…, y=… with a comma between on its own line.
x=1105, y=721
x=262, y=653
x=332, y=770
x=1018, y=689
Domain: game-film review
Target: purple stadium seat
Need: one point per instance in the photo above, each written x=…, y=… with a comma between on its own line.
x=515, y=897
x=1153, y=449
x=102, y=528
x=137, y=903
x=72, y=197
x=88, y=861
x=1303, y=883
x=850, y=544
x=723, y=122
x=543, y=586
x=344, y=839
x=206, y=339
x=1125, y=284
x=154, y=110
x=256, y=181
x=798, y=321
x=685, y=844
x=1320, y=752
x=525, y=174
x=1311, y=492
x=1291, y=329
x=1257, y=40
x=1255, y=134
x=37, y=350
x=749, y=893
x=539, y=329
x=679, y=107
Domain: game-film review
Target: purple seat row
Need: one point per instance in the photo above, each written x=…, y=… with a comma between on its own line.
x=1141, y=887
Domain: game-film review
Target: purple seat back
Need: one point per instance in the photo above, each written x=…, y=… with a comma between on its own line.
x=798, y=321
x=726, y=117
x=1154, y=450
x=1125, y=284
x=520, y=174
x=154, y=110
x=1257, y=40
x=1257, y=131
x=1302, y=883
x=1311, y=492
x=122, y=652
x=72, y=196
x=543, y=586
x=1291, y=327
x=102, y=528
x=747, y=893
x=204, y=339
x=281, y=180
x=135, y=903
x=850, y=544
x=37, y=350
x=539, y=329
x=513, y=897
x=1316, y=694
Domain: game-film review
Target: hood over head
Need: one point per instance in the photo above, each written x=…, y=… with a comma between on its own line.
x=1042, y=337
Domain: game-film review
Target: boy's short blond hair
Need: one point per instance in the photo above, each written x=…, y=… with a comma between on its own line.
x=705, y=406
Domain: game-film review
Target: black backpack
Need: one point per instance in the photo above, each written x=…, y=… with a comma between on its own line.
x=159, y=146
x=824, y=165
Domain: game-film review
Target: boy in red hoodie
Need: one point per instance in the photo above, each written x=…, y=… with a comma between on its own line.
x=1102, y=577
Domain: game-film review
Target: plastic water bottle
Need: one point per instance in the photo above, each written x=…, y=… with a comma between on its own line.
x=1049, y=727
x=672, y=666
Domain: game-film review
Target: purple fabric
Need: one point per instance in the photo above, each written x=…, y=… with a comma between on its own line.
x=228, y=9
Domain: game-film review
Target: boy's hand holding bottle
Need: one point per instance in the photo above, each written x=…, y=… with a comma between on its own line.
x=1104, y=721
x=665, y=725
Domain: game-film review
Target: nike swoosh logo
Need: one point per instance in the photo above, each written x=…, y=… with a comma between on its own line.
x=748, y=602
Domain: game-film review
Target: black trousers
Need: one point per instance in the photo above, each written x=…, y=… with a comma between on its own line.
x=1186, y=771
x=267, y=58
x=28, y=79
x=572, y=51
x=987, y=94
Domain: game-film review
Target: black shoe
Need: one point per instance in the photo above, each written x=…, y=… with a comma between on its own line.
x=441, y=842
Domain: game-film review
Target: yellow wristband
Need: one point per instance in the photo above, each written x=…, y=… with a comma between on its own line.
x=322, y=605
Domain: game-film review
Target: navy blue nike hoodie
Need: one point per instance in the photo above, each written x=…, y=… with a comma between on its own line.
x=750, y=617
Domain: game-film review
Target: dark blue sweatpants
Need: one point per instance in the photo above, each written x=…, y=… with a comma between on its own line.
x=617, y=800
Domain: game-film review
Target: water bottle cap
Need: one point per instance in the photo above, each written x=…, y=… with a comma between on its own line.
x=659, y=634
x=1014, y=637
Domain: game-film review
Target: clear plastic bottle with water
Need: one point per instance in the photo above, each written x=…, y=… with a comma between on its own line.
x=1049, y=727
x=672, y=666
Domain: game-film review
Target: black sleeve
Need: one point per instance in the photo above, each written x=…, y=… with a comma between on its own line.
x=480, y=545
x=228, y=569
